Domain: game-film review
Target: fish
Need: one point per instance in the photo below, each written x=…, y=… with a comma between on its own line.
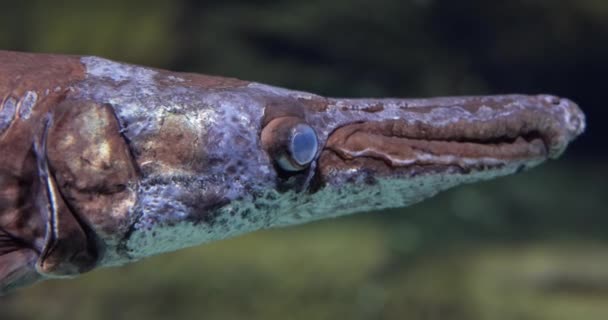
x=104, y=163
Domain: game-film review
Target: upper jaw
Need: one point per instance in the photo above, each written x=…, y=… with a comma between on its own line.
x=383, y=137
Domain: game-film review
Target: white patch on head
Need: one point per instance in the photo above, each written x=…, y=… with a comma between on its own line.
x=175, y=79
x=7, y=113
x=129, y=86
x=282, y=91
x=27, y=103
x=116, y=71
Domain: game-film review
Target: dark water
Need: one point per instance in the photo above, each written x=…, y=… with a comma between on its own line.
x=532, y=246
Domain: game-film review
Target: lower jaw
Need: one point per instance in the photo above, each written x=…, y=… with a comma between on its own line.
x=371, y=166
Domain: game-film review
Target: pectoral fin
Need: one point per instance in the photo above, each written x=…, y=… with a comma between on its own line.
x=17, y=263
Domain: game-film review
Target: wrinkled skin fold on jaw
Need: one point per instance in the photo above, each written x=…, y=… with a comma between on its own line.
x=104, y=163
x=399, y=145
x=398, y=152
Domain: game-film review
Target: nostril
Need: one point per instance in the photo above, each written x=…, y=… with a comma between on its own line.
x=553, y=100
x=550, y=99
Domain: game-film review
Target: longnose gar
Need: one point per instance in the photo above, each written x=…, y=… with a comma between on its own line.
x=104, y=163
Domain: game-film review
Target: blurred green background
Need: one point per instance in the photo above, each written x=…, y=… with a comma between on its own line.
x=531, y=246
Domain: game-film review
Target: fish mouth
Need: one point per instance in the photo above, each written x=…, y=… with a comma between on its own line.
x=483, y=134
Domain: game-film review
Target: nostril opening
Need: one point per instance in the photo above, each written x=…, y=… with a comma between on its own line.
x=554, y=100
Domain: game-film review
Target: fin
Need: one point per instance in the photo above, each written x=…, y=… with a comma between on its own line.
x=20, y=228
x=17, y=263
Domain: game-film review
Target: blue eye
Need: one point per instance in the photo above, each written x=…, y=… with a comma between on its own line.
x=304, y=144
x=290, y=142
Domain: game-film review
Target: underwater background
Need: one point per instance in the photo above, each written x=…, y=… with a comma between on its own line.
x=530, y=246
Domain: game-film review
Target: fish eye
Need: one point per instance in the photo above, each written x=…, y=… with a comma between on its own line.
x=292, y=143
x=304, y=144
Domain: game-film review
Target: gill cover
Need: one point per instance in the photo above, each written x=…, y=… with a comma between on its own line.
x=77, y=160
